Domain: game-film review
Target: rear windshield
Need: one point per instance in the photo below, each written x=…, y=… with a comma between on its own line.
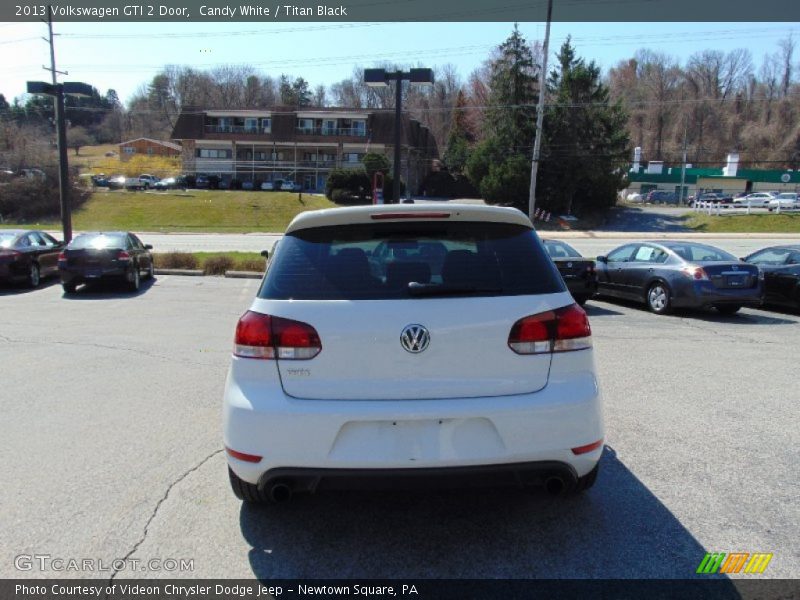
x=560, y=250
x=701, y=252
x=401, y=260
x=98, y=241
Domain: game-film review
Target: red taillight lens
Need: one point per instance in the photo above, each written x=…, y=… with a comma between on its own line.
x=62, y=257
x=122, y=255
x=253, y=458
x=267, y=337
x=696, y=273
x=561, y=330
x=587, y=448
x=12, y=254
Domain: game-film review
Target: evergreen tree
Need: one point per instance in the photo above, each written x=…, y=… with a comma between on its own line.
x=585, y=148
x=459, y=139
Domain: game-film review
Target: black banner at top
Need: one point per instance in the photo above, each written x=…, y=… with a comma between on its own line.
x=402, y=10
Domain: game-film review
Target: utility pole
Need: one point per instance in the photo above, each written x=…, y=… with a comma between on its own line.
x=537, y=143
x=398, y=124
x=683, y=164
x=61, y=128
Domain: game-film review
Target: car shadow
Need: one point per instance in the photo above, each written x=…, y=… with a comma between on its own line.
x=618, y=529
x=595, y=310
x=15, y=289
x=105, y=290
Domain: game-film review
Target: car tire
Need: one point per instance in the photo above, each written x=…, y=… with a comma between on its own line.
x=658, y=298
x=728, y=309
x=69, y=288
x=151, y=271
x=134, y=278
x=34, y=275
x=244, y=491
x=581, y=300
x=587, y=481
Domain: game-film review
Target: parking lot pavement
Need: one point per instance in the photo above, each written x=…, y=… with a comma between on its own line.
x=112, y=448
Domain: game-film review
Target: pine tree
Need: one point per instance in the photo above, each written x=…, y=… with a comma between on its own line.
x=459, y=139
x=585, y=148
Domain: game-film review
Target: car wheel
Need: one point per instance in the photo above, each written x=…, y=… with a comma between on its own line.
x=728, y=309
x=581, y=300
x=134, y=279
x=34, y=275
x=247, y=492
x=151, y=271
x=69, y=288
x=658, y=298
x=587, y=481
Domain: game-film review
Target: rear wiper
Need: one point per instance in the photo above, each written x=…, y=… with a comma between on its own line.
x=436, y=289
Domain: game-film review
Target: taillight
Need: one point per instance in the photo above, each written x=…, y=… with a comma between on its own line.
x=696, y=273
x=590, y=269
x=561, y=330
x=267, y=337
x=122, y=255
x=12, y=254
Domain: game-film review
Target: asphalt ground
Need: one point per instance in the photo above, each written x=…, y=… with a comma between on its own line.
x=111, y=407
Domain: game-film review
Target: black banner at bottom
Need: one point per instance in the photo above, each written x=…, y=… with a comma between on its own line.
x=414, y=589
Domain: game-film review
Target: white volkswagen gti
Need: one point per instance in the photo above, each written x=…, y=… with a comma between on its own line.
x=405, y=345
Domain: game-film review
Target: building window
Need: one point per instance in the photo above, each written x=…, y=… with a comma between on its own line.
x=359, y=128
x=251, y=125
x=210, y=153
x=266, y=125
x=329, y=127
x=305, y=125
x=150, y=151
x=129, y=150
x=352, y=157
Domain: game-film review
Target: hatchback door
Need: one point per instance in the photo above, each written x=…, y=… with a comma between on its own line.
x=458, y=288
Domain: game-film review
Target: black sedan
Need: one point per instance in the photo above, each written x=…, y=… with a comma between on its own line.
x=781, y=268
x=678, y=274
x=578, y=272
x=116, y=255
x=28, y=256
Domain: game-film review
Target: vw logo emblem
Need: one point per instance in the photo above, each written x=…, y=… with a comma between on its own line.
x=569, y=264
x=735, y=267
x=415, y=338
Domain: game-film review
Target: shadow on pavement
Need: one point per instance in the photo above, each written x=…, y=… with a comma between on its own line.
x=596, y=310
x=102, y=290
x=15, y=289
x=618, y=529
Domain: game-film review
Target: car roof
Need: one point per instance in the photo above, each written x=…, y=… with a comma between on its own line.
x=364, y=214
x=780, y=247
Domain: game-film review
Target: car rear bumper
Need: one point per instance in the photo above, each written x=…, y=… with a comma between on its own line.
x=704, y=294
x=78, y=275
x=582, y=287
x=345, y=440
x=12, y=272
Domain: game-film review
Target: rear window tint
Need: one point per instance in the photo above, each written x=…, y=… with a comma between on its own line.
x=99, y=241
x=379, y=261
x=560, y=250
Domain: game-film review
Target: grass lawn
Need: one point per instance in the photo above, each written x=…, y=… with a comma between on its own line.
x=760, y=223
x=193, y=210
x=88, y=156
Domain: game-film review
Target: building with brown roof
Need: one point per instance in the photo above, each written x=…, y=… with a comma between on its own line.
x=301, y=145
x=148, y=147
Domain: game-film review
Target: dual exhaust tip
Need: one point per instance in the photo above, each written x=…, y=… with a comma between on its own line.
x=281, y=491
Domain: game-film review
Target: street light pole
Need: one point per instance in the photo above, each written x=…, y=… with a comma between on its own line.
x=381, y=78
x=537, y=144
x=398, y=116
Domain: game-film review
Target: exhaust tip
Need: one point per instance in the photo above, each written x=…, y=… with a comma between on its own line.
x=554, y=485
x=280, y=493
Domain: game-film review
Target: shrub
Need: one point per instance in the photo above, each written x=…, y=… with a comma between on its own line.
x=217, y=265
x=251, y=264
x=26, y=199
x=441, y=184
x=175, y=260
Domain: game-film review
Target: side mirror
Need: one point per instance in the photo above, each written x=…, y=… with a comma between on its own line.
x=148, y=246
x=265, y=254
x=602, y=259
x=743, y=258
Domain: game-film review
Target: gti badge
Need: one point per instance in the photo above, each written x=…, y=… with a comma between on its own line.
x=415, y=338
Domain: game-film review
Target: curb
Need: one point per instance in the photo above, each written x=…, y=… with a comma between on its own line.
x=244, y=274
x=189, y=272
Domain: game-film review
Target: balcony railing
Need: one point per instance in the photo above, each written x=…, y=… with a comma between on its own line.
x=323, y=130
x=237, y=129
x=242, y=163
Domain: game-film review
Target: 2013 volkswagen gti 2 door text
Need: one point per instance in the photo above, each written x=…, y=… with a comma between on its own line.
x=402, y=345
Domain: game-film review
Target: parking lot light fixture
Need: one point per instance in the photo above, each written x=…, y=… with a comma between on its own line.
x=381, y=78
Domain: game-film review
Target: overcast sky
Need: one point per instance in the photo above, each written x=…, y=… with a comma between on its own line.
x=123, y=56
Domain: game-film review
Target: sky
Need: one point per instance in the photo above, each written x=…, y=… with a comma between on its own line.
x=123, y=56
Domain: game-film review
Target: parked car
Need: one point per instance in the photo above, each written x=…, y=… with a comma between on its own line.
x=267, y=186
x=483, y=372
x=290, y=186
x=28, y=255
x=755, y=200
x=210, y=182
x=676, y=274
x=781, y=268
x=105, y=255
x=786, y=200
x=636, y=198
x=171, y=183
x=577, y=272
x=148, y=180
x=662, y=197
x=117, y=182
